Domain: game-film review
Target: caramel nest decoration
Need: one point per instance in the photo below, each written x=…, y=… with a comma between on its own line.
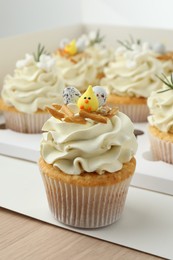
x=73, y=58
x=166, y=56
x=63, y=113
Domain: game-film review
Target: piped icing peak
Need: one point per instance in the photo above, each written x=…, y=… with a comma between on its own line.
x=79, y=108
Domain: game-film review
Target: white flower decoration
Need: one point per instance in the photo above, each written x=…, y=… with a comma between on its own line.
x=46, y=62
x=29, y=59
x=82, y=42
x=92, y=35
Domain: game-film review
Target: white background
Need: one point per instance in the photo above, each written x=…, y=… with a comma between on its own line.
x=22, y=16
x=145, y=13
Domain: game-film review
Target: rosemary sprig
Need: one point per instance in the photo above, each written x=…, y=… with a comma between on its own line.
x=167, y=82
x=125, y=44
x=97, y=39
x=128, y=43
x=40, y=50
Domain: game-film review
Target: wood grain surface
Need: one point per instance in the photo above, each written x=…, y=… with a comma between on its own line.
x=22, y=237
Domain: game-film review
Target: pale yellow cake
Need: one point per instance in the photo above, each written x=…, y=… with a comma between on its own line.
x=89, y=179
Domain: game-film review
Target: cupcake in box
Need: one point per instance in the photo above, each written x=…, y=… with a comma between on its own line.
x=99, y=52
x=131, y=78
x=160, y=104
x=81, y=61
x=25, y=95
x=159, y=50
x=165, y=56
x=87, y=160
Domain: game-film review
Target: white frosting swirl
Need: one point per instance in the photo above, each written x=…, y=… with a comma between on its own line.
x=167, y=66
x=76, y=148
x=82, y=69
x=133, y=72
x=161, y=109
x=80, y=73
x=34, y=85
x=100, y=55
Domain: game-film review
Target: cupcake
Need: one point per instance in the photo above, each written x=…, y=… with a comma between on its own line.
x=160, y=104
x=25, y=95
x=81, y=61
x=131, y=78
x=165, y=56
x=99, y=53
x=87, y=161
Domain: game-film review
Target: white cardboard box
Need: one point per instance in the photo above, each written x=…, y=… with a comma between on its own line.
x=152, y=175
x=143, y=227
x=146, y=223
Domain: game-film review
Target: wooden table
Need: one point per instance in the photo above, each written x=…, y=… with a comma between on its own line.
x=22, y=237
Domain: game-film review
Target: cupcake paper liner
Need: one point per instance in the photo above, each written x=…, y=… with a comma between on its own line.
x=137, y=113
x=25, y=123
x=161, y=149
x=86, y=207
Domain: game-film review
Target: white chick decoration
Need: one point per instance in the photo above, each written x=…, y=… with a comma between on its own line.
x=71, y=95
x=100, y=94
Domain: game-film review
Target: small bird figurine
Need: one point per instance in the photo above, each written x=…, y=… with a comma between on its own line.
x=71, y=48
x=70, y=95
x=100, y=94
x=88, y=101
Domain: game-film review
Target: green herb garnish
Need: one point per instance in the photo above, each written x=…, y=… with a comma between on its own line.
x=128, y=43
x=40, y=50
x=97, y=39
x=167, y=82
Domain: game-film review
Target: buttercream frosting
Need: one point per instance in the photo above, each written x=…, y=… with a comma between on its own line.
x=161, y=107
x=34, y=85
x=76, y=148
x=100, y=54
x=81, y=61
x=79, y=72
x=161, y=51
x=133, y=73
x=167, y=66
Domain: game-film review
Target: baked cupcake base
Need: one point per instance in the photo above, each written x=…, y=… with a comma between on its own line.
x=161, y=145
x=22, y=122
x=133, y=107
x=88, y=200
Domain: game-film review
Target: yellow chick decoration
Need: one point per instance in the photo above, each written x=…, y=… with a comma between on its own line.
x=88, y=101
x=71, y=48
